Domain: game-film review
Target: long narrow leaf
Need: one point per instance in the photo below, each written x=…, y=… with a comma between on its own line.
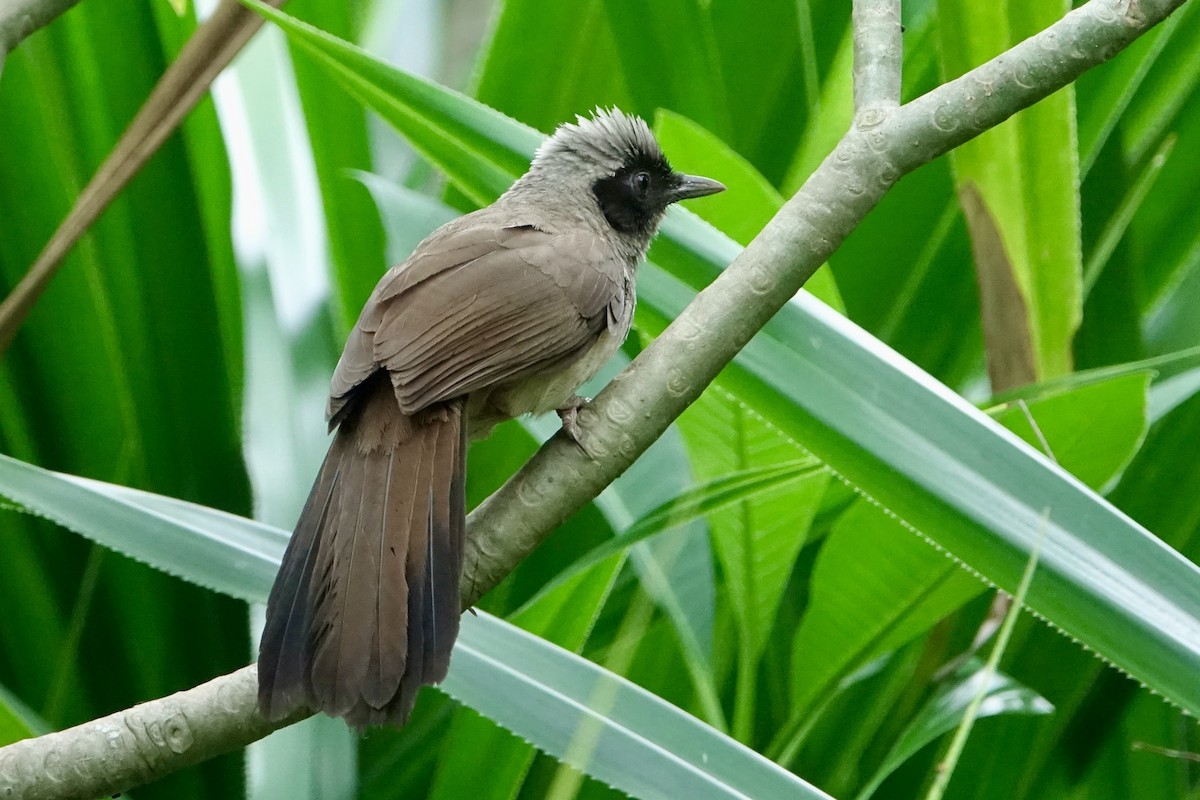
x=224, y=552
x=602, y=724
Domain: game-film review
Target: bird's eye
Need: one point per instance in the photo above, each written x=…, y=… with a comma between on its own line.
x=641, y=182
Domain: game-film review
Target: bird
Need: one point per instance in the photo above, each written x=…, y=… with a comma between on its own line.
x=501, y=312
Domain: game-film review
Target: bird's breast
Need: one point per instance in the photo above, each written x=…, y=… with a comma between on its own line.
x=544, y=392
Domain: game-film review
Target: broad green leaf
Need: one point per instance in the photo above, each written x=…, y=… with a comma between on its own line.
x=676, y=571
x=1093, y=431
x=690, y=79
x=602, y=724
x=1019, y=187
x=556, y=617
x=942, y=712
x=758, y=537
x=901, y=437
x=875, y=586
x=827, y=127
x=568, y=46
x=337, y=133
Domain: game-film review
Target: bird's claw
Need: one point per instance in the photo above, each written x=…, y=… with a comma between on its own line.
x=569, y=414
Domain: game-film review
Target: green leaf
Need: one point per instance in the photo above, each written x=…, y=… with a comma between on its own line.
x=211, y=548
x=337, y=133
x=1093, y=430
x=564, y=617
x=870, y=567
x=824, y=129
x=17, y=721
x=725, y=492
x=676, y=571
x=602, y=724
x=758, y=537
x=1018, y=182
x=691, y=79
x=943, y=711
x=568, y=46
x=129, y=369
x=875, y=586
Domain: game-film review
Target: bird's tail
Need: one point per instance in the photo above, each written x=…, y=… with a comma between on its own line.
x=365, y=608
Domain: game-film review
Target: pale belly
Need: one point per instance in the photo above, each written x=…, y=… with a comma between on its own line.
x=539, y=394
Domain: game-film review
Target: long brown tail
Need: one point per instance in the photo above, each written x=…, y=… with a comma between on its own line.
x=365, y=608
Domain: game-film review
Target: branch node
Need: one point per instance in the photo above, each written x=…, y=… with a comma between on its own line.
x=878, y=51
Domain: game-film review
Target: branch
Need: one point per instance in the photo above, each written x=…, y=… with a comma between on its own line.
x=137, y=745
x=161, y=736
x=878, y=53
x=19, y=18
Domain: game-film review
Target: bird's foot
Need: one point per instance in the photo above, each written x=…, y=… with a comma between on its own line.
x=569, y=414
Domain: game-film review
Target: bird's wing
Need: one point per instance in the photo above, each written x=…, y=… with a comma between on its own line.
x=481, y=305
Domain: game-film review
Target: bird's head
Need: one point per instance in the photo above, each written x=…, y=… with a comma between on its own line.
x=613, y=164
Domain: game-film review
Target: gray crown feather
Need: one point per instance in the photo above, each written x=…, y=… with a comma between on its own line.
x=610, y=138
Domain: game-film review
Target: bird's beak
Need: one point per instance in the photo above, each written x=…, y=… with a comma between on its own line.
x=695, y=186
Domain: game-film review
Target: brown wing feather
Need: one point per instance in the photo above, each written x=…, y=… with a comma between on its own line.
x=477, y=305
